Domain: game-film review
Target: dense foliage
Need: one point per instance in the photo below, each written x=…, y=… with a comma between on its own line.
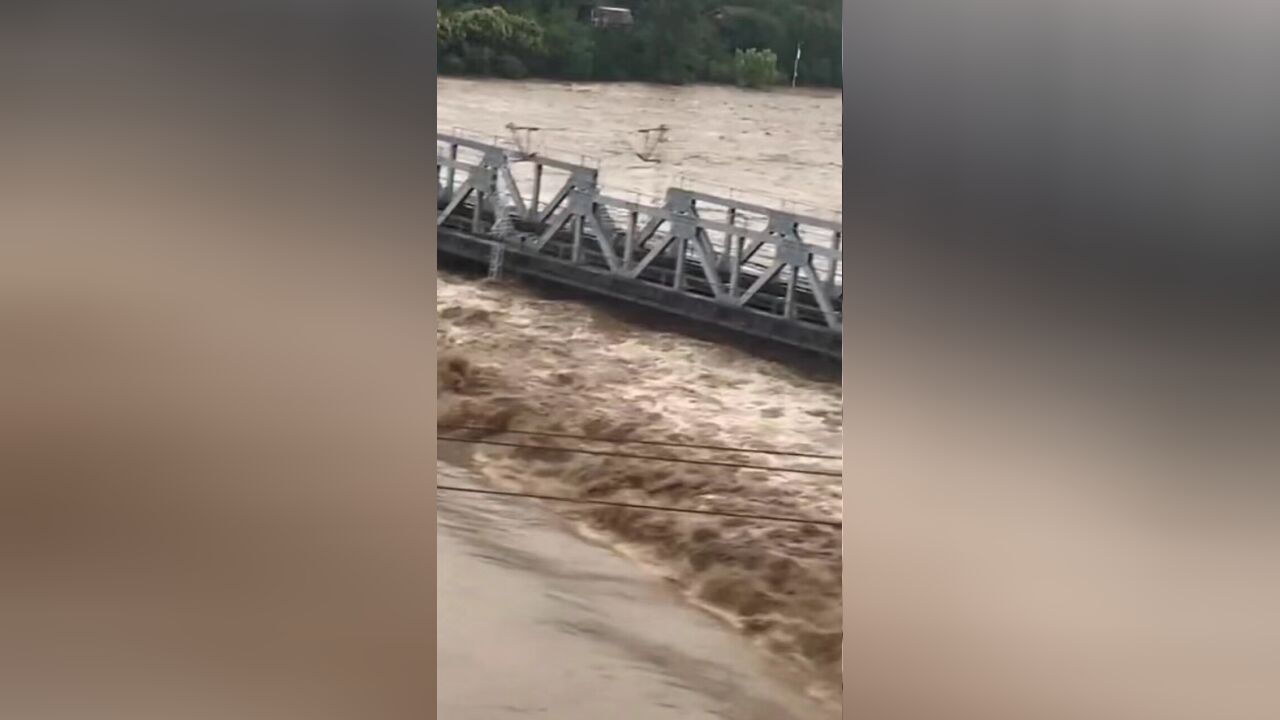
x=671, y=41
x=755, y=68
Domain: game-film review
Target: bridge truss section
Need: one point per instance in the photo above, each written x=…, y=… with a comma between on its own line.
x=737, y=258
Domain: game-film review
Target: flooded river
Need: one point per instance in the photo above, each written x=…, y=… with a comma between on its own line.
x=593, y=635
x=514, y=359
x=780, y=148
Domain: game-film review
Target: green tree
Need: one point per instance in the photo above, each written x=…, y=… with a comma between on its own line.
x=742, y=28
x=677, y=34
x=619, y=55
x=671, y=41
x=570, y=47
x=495, y=28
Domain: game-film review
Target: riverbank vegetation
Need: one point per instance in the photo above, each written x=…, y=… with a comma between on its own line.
x=746, y=42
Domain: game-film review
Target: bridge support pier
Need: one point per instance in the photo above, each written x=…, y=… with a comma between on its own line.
x=496, y=253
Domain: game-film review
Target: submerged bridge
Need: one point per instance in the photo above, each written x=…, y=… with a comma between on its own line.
x=758, y=270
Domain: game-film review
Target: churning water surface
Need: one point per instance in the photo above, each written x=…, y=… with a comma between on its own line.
x=512, y=358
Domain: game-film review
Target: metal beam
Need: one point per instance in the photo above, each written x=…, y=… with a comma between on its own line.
x=674, y=248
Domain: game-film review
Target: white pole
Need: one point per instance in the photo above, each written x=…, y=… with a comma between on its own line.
x=795, y=70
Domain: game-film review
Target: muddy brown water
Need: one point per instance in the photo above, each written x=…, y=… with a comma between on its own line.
x=591, y=635
x=781, y=148
x=514, y=358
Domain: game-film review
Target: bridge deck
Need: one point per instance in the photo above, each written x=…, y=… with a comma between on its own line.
x=761, y=271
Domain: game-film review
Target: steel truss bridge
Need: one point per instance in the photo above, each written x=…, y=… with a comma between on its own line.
x=758, y=270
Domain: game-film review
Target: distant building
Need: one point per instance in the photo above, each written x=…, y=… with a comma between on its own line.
x=602, y=16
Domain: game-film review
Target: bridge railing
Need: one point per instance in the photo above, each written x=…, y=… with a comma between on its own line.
x=725, y=250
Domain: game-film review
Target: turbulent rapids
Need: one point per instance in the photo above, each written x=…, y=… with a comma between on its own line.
x=510, y=359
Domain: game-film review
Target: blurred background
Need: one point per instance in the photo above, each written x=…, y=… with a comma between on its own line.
x=1060, y=383
x=213, y=271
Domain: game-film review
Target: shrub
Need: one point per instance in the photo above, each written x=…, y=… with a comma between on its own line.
x=755, y=68
x=510, y=67
x=452, y=65
x=492, y=27
x=721, y=71
x=477, y=59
